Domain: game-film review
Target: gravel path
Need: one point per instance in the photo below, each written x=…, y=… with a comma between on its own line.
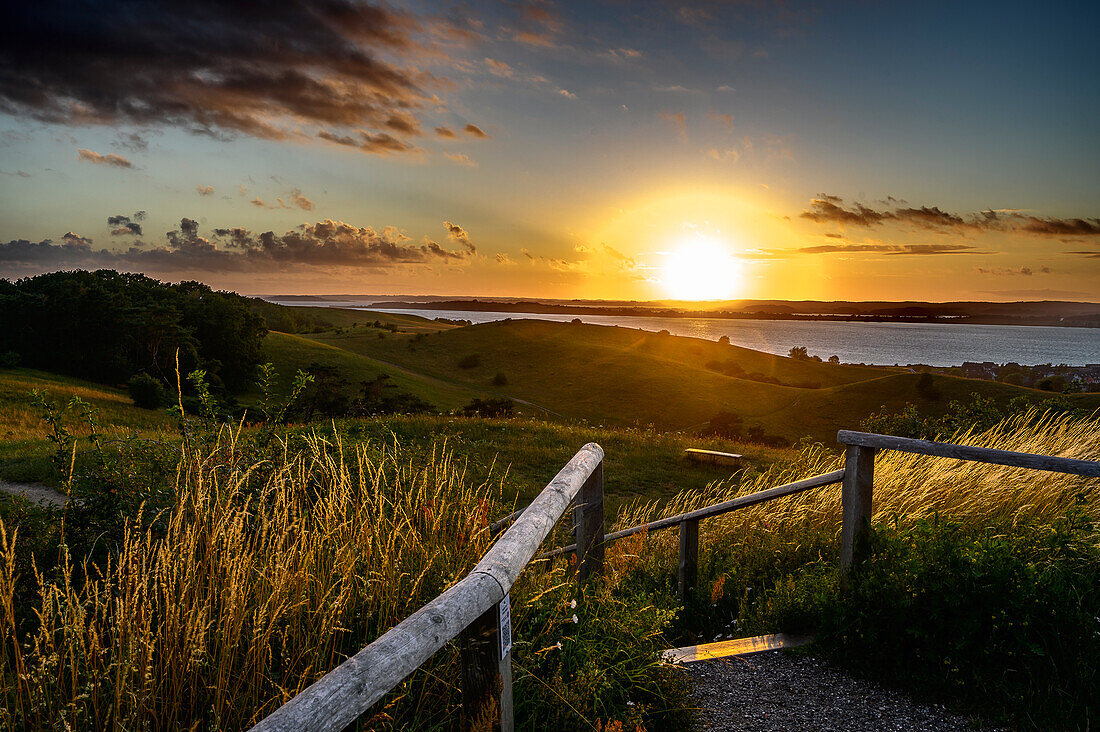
x=776, y=692
x=34, y=493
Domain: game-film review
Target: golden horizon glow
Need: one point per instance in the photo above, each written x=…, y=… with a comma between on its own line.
x=700, y=268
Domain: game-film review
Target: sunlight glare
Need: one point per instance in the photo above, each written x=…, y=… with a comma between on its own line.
x=700, y=268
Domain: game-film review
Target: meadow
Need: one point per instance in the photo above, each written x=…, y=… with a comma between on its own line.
x=623, y=377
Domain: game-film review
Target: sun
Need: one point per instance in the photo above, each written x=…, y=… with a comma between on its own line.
x=700, y=268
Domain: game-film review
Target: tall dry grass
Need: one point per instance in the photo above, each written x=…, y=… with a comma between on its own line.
x=909, y=486
x=259, y=580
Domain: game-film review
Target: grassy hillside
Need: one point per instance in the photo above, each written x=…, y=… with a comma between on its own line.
x=24, y=449
x=619, y=376
x=289, y=353
x=521, y=455
x=348, y=318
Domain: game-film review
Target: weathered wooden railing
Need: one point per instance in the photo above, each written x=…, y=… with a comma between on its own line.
x=688, y=524
x=473, y=608
x=859, y=477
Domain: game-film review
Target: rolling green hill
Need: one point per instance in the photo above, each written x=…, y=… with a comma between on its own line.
x=288, y=353
x=621, y=376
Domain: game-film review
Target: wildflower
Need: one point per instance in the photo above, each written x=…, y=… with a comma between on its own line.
x=575, y=619
x=559, y=645
x=572, y=604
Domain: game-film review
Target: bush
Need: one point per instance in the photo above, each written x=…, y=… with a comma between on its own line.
x=147, y=392
x=471, y=361
x=500, y=380
x=726, y=424
x=9, y=360
x=489, y=408
x=1002, y=619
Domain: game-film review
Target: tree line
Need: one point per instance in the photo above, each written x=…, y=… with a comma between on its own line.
x=108, y=326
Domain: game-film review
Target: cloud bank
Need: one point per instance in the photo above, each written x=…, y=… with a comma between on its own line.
x=324, y=244
x=272, y=70
x=833, y=210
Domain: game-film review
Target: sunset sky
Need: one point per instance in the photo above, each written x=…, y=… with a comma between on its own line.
x=604, y=149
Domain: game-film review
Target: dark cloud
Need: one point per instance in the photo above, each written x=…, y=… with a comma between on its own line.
x=472, y=129
x=832, y=209
x=1060, y=227
x=457, y=234
x=132, y=141
x=891, y=249
x=380, y=143
x=125, y=225
x=1009, y=271
x=323, y=244
x=109, y=159
x=272, y=70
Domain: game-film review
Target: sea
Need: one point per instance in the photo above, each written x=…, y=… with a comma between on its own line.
x=885, y=344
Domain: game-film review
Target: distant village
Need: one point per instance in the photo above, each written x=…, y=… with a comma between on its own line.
x=1045, y=376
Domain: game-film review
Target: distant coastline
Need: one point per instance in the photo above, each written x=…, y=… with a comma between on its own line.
x=1076, y=315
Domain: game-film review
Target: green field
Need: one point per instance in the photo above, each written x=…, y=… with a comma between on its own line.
x=624, y=377
x=572, y=383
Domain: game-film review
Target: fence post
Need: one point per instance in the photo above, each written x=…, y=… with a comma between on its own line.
x=858, y=485
x=486, y=675
x=689, y=559
x=588, y=526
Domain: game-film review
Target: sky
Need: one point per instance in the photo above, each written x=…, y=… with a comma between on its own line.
x=606, y=149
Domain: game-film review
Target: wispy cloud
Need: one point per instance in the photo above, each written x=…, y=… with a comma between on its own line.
x=475, y=131
x=110, y=159
x=460, y=159
x=678, y=121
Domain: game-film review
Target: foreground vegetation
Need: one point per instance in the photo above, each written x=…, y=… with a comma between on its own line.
x=982, y=588
x=210, y=582
x=260, y=561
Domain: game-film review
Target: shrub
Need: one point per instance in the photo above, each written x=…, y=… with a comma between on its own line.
x=798, y=353
x=500, y=379
x=147, y=392
x=724, y=341
x=1000, y=618
x=489, y=408
x=471, y=361
x=726, y=424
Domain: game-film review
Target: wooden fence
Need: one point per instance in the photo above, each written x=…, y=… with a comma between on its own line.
x=474, y=609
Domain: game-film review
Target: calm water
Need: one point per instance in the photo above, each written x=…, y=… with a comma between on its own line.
x=935, y=344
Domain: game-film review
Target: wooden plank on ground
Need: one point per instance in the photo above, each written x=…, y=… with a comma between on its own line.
x=712, y=456
x=735, y=647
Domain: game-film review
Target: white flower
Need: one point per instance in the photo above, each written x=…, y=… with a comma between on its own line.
x=559, y=645
x=630, y=703
x=575, y=620
x=572, y=604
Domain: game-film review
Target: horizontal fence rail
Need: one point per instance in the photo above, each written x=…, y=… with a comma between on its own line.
x=339, y=697
x=788, y=489
x=859, y=477
x=1071, y=466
